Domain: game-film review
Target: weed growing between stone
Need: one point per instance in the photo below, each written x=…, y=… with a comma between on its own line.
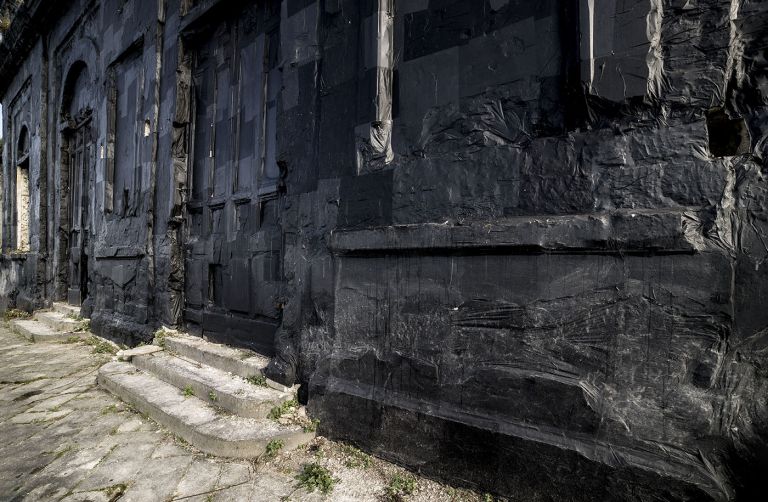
x=259, y=380
x=356, y=458
x=101, y=346
x=112, y=408
x=273, y=448
x=83, y=326
x=16, y=314
x=278, y=411
x=114, y=492
x=188, y=391
x=400, y=486
x=312, y=425
x=159, y=339
x=316, y=477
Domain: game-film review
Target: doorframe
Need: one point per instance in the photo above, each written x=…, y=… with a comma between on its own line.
x=68, y=130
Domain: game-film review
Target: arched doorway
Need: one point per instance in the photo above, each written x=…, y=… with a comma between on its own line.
x=77, y=160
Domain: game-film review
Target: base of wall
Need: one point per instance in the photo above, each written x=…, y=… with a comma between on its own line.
x=493, y=461
x=120, y=330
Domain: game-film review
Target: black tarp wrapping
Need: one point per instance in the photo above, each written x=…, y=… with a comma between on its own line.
x=555, y=285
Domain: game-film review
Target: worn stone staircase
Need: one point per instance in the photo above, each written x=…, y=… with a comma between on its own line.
x=62, y=322
x=213, y=396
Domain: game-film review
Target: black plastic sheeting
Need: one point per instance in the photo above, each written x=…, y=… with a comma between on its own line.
x=554, y=288
x=520, y=245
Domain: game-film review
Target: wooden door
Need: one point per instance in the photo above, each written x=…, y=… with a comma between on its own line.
x=234, y=241
x=80, y=159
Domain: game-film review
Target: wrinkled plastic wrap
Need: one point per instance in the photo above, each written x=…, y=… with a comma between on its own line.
x=555, y=285
x=520, y=245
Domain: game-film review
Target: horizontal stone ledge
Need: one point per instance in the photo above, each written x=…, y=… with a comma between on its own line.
x=617, y=232
x=119, y=252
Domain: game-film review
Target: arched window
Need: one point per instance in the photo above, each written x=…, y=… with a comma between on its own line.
x=22, y=191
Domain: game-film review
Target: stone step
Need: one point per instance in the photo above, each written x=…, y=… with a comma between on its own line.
x=39, y=332
x=66, y=309
x=212, y=385
x=192, y=419
x=58, y=321
x=239, y=362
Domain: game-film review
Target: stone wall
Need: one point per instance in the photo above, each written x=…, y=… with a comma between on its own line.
x=525, y=237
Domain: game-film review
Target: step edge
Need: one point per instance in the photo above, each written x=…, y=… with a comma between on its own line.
x=227, y=400
x=206, y=442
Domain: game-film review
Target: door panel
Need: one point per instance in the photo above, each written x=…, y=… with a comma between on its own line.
x=234, y=243
x=80, y=152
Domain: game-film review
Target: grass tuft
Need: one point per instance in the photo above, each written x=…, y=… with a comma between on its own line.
x=259, y=380
x=159, y=339
x=16, y=314
x=101, y=346
x=400, y=486
x=356, y=458
x=312, y=425
x=273, y=448
x=112, y=408
x=316, y=477
x=278, y=411
x=83, y=326
x=188, y=391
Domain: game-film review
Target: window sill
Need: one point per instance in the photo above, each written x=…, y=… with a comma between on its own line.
x=17, y=255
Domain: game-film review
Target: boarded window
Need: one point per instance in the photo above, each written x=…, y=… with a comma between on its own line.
x=124, y=174
x=236, y=89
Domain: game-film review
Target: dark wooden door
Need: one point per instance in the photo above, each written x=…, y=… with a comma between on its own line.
x=234, y=241
x=80, y=160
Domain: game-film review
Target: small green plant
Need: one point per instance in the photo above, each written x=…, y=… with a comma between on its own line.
x=112, y=408
x=188, y=391
x=72, y=339
x=316, y=477
x=273, y=448
x=212, y=396
x=159, y=339
x=401, y=485
x=356, y=458
x=101, y=346
x=74, y=317
x=16, y=314
x=259, y=380
x=487, y=497
x=278, y=411
x=83, y=326
x=312, y=425
x=114, y=492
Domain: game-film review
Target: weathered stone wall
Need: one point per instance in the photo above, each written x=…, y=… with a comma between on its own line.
x=520, y=243
x=23, y=114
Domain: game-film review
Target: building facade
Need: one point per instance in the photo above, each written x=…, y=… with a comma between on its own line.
x=518, y=244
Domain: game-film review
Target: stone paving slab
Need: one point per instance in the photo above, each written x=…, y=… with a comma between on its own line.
x=62, y=438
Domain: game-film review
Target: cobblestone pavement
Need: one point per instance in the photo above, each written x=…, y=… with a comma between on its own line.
x=64, y=438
